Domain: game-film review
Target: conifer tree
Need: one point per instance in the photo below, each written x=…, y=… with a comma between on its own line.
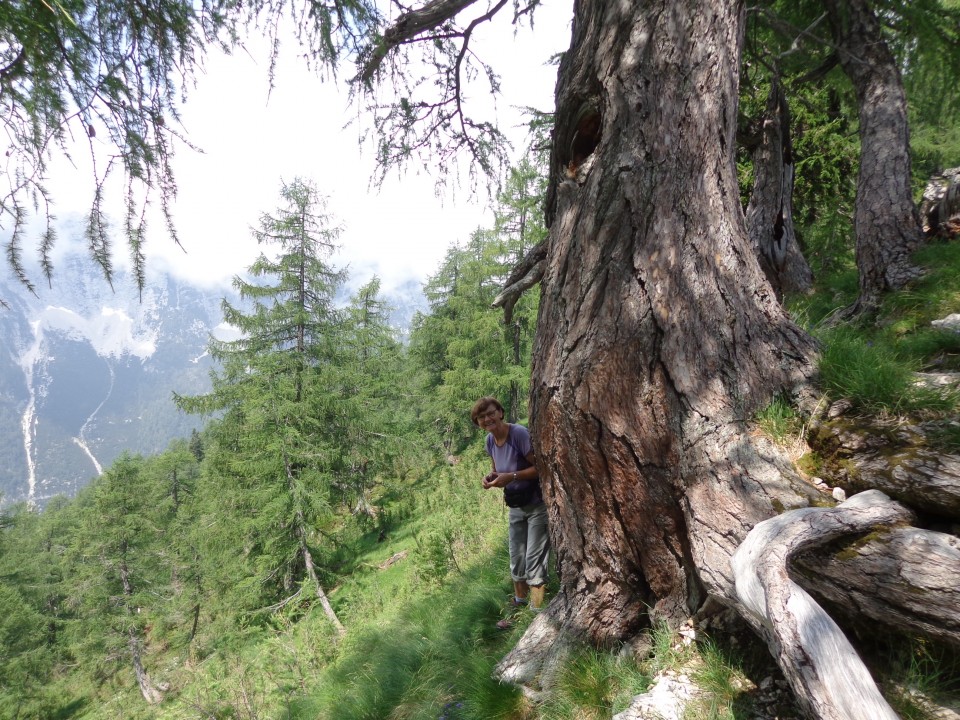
x=115, y=557
x=463, y=346
x=376, y=413
x=28, y=625
x=276, y=447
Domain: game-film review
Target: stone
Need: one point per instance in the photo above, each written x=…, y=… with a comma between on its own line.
x=950, y=322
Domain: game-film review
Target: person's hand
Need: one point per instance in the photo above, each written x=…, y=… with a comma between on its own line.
x=489, y=480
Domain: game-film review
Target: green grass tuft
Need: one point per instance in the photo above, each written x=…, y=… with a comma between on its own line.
x=780, y=421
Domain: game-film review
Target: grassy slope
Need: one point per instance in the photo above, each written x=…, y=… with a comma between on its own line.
x=421, y=640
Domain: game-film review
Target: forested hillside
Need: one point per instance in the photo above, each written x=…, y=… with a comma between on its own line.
x=723, y=295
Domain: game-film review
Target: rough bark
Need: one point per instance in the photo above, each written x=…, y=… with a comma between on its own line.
x=904, y=578
x=863, y=453
x=827, y=676
x=886, y=222
x=658, y=334
x=770, y=210
x=940, y=208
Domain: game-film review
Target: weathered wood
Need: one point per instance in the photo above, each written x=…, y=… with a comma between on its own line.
x=826, y=674
x=769, y=213
x=905, y=578
x=863, y=453
x=527, y=273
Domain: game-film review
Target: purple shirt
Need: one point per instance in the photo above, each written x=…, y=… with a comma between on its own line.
x=512, y=457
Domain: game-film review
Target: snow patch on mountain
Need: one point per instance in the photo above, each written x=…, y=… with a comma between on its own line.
x=111, y=333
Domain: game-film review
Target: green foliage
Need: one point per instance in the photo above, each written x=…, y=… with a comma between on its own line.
x=77, y=69
x=594, y=685
x=925, y=671
x=875, y=365
x=780, y=421
x=873, y=374
x=720, y=677
x=115, y=71
x=462, y=348
x=375, y=417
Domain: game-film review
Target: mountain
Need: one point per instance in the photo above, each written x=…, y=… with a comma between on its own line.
x=87, y=372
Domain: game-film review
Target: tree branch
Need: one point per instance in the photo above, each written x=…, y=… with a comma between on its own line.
x=524, y=276
x=408, y=26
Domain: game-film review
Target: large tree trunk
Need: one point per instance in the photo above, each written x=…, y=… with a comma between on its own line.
x=887, y=221
x=770, y=211
x=658, y=334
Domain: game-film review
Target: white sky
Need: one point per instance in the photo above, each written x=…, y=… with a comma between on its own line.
x=251, y=141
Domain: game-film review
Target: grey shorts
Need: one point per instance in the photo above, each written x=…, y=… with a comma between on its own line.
x=529, y=544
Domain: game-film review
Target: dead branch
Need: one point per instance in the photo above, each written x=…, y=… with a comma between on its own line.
x=527, y=273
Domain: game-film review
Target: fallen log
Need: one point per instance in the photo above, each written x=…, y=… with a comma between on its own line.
x=828, y=678
x=859, y=454
x=905, y=578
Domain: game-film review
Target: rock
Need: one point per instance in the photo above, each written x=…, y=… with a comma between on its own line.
x=839, y=495
x=839, y=408
x=950, y=322
x=936, y=381
x=666, y=700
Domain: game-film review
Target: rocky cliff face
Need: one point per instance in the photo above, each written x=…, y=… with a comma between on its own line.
x=87, y=372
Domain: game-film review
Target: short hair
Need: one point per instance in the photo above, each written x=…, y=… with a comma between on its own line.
x=482, y=404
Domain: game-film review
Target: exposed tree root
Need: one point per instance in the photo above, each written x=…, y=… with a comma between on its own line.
x=824, y=671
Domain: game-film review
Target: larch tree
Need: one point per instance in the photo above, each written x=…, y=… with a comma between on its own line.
x=658, y=336
x=657, y=340
x=887, y=221
x=276, y=445
x=115, y=559
x=373, y=410
x=461, y=346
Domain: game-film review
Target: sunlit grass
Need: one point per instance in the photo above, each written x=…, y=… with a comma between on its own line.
x=780, y=421
x=874, y=362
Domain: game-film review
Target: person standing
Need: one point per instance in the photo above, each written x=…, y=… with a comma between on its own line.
x=512, y=459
